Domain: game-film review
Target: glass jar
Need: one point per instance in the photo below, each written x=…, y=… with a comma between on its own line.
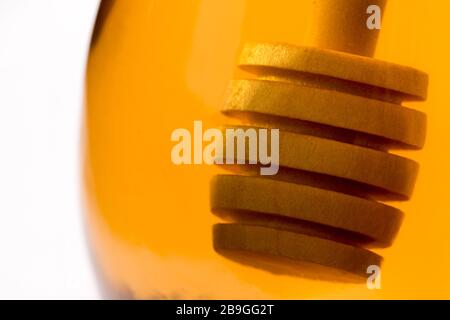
x=156, y=66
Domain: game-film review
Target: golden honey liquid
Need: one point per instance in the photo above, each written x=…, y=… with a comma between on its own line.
x=156, y=66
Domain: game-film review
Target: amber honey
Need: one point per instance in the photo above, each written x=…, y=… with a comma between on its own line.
x=156, y=66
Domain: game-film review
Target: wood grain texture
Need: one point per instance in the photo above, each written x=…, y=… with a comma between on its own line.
x=392, y=174
x=288, y=253
x=399, y=127
x=341, y=25
x=286, y=206
x=410, y=83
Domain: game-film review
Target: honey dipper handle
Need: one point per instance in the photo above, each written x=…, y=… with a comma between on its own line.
x=342, y=25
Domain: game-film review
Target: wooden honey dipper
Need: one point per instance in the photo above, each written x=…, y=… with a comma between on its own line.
x=339, y=113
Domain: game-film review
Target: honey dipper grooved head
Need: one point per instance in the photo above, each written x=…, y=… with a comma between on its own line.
x=339, y=112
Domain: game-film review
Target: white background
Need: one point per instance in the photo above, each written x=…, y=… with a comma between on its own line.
x=43, y=48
